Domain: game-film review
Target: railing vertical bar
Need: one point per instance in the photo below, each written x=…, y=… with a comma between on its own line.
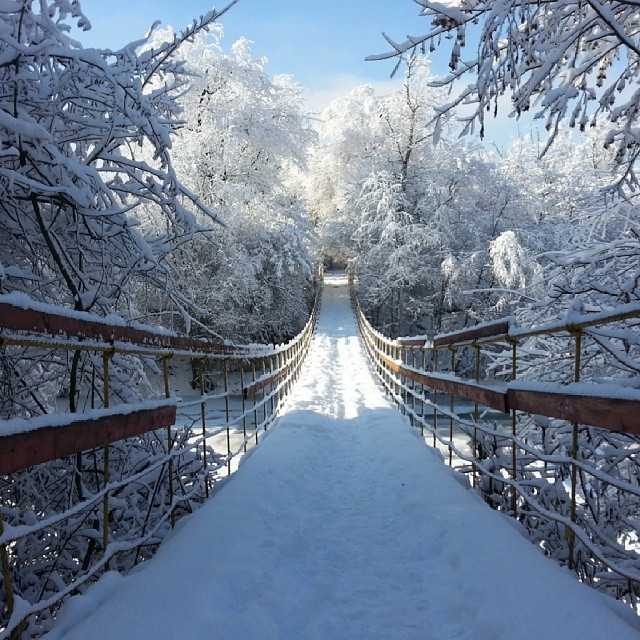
x=6, y=571
x=271, y=388
x=424, y=367
x=264, y=395
x=106, y=357
x=280, y=384
x=413, y=386
x=436, y=356
x=397, y=380
x=243, y=405
x=514, y=453
x=203, y=407
x=167, y=393
x=254, y=396
x=227, y=412
x=451, y=406
x=476, y=415
x=574, y=454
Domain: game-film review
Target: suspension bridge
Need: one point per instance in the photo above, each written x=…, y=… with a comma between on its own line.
x=340, y=524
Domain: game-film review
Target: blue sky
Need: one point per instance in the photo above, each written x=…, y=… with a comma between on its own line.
x=323, y=44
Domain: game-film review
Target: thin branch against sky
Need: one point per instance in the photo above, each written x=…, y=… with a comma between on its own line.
x=316, y=42
x=323, y=45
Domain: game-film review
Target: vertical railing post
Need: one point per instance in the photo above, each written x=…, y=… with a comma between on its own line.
x=279, y=382
x=413, y=386
x=271, y=387
x=436, y=356
x=167, y=393
x=106, y=357
x=574, y=454
x=226, y=412
x=6, y=572
x=203, y=411
x=514, y=453
x=385, y=379
x=290, y=363
x=243, y=401
x=393, y=380
x=451, y=406
x=424, y=368
x=253, y=395
x=400, y=379
x=284, y=363
x=475, y=450
x=264, y=394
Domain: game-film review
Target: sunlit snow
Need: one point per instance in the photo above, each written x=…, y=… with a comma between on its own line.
x=342, y=524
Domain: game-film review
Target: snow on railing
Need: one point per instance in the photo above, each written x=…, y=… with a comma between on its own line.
x=553, y=454
x=114, y=499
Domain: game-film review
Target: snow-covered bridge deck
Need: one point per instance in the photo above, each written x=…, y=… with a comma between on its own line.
x=342, y=524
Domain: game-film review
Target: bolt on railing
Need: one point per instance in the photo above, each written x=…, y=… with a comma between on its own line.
x=530, y=481
x=169, y=481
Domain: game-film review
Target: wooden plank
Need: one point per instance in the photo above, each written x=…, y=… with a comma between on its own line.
x=18, y=319
x=251, y=390
x=602, y=411
x=486, y=396
x=23, y=450
x=472, y=334
x=606, y=412
x=411, y=342
x=583, y=321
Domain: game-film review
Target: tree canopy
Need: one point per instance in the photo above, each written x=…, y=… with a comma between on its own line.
x=566, y=60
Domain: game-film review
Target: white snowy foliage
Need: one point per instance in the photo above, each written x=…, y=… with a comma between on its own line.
x=570, y=61
x=75, y=126
x=507, y=260
x=401, y=207
x=85, y=137
x=243, y=139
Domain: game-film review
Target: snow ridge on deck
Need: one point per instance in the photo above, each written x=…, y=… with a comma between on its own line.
x=343, y=525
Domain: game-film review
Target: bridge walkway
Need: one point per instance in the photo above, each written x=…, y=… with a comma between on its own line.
x=342, y=525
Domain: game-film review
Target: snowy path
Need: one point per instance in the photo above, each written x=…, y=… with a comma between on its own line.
x=343, y=525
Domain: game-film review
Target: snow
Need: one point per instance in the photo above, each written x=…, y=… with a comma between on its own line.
x=21, y=425
x=22, y=301
x=597, y=390
x=573, y=319
x=343, y=525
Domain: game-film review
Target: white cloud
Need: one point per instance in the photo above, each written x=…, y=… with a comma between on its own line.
x=341, y=84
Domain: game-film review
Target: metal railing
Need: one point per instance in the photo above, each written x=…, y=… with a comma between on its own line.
x=555, y=456
x=114, y=499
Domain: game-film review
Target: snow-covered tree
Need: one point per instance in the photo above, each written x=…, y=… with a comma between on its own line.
x=243, y=139
x=85, y=159
x=86, y=138
x=76, y=125
x=577, y=62
x=414, y=217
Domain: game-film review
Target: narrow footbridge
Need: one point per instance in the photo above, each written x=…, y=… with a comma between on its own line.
x=342, y=523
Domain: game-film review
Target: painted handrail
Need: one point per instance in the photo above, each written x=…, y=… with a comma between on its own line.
x=185, y=468
x=429, y=391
